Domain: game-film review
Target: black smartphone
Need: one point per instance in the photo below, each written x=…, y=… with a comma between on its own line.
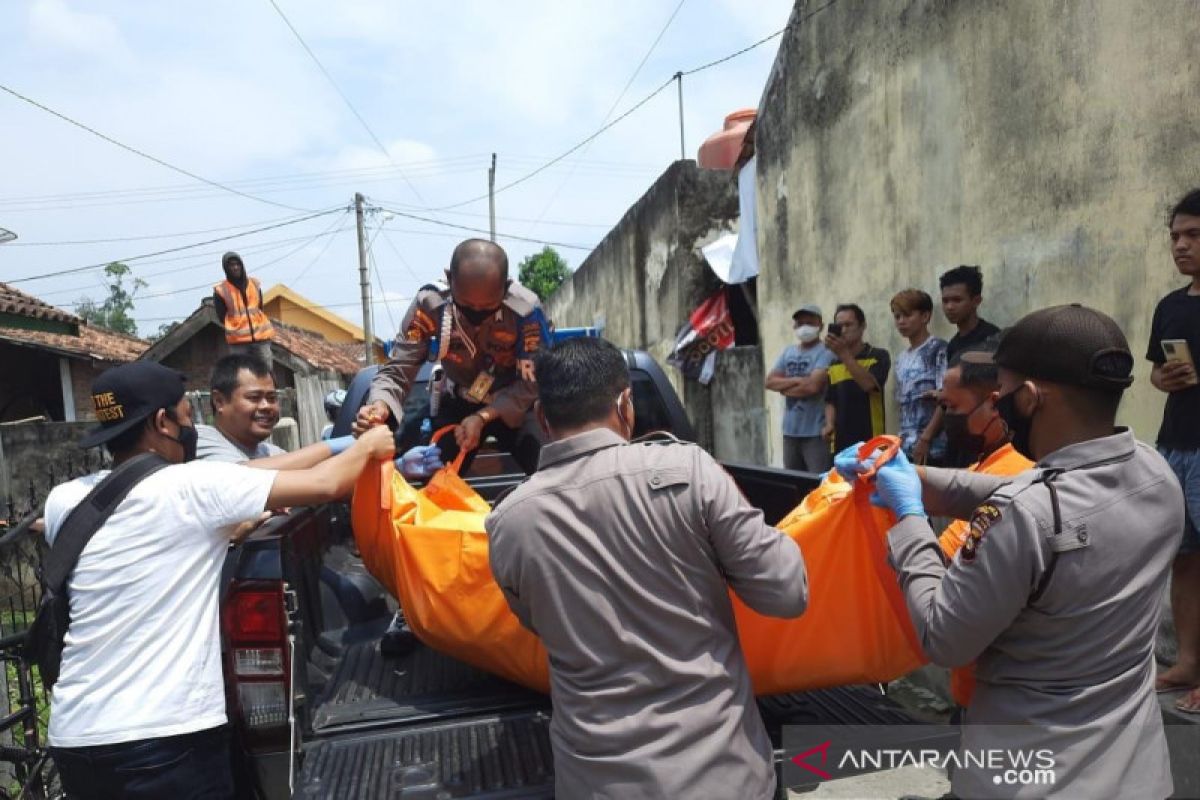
x=835, y=329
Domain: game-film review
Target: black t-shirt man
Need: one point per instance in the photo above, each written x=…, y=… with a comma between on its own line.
x=982, y=331
x=1178, y=317
x=859, y=415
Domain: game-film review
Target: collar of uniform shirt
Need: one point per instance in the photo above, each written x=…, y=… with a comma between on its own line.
x=1094, y=451
x=580, y=444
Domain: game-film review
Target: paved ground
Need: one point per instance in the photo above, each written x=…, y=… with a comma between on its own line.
x=890, y=784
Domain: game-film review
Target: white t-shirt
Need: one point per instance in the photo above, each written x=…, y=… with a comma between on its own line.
x=142, y=657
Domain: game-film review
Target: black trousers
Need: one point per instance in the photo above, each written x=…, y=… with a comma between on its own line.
x=524, y=443
x=191, y=766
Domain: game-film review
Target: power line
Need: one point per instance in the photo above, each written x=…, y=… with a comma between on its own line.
x=258, y=270
x=632, y=109
x=342, y=94
x=144, y=237
x=250, y=250
x=126, y=259
x=637, y=71
x=471, y=229
x=145, y=155
x=560, y=157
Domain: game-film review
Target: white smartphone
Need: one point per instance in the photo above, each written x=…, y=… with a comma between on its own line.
x=1178, y=350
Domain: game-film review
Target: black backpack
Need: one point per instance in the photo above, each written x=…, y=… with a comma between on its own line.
x=44, y=640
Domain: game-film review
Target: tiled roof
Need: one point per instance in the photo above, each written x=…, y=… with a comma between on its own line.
x=93, y=343
x=316, y=350
x=14, y=301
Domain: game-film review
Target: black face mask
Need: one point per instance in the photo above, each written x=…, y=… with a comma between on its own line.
x=959, y=437
x=476, y=317
x=1018, y=427
x=187, y=439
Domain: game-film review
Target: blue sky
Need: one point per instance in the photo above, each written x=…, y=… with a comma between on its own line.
x=222, y=89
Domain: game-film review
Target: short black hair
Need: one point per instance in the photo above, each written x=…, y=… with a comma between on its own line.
x=578, y=381
x=981, y=374
x=225, y=372
x=467, y=246
x=1188, y=205
x=853, y=309
x=970, y=276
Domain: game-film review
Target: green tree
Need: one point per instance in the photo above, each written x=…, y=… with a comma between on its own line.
x=114, y=312
x=543, y=272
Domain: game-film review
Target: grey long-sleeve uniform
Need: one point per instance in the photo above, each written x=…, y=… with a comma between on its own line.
x=1062, y=626
x=620, y=557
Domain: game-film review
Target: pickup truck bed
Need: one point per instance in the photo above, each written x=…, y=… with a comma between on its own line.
x=424, y=725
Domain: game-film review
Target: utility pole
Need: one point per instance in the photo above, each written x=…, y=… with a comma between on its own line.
x=679, y=85
x=492, y=197
x=364, y=280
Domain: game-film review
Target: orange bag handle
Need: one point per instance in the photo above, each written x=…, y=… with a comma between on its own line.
x=455, y=465
x=886, y=446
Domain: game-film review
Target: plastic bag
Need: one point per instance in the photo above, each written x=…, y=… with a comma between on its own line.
x=428, y=546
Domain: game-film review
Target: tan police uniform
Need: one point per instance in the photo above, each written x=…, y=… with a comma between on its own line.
x=620, y=556
x=1056, y=591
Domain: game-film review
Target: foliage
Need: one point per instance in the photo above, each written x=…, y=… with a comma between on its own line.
x=542, y=273
x=114, y=312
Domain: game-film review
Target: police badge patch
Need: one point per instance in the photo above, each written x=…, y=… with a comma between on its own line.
x=984, y=517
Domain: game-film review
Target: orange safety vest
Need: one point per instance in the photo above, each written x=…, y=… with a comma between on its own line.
x=1005, y=461
x=245, y=321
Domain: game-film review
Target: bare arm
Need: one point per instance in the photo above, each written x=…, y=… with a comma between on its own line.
x=303, y=458
x=808, y=386
x=334, y=477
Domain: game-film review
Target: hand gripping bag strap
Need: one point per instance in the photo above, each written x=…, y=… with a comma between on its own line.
x=44, y=641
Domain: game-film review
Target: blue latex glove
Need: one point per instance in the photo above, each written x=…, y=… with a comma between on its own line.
x=340, y=444
x=898, y=487
x=420, y=462
x=847, y=464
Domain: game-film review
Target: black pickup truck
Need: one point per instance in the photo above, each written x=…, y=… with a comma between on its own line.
x=322, y=713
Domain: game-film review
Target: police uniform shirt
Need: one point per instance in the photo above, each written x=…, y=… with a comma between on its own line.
x=503, y=344
x=1062, y=625
x=620, y=557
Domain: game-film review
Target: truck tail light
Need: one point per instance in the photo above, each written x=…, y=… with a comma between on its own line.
x=257, y=662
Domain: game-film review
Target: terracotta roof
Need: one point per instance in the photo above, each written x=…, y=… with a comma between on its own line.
x=14, y=301
x=315, y=349
x=94, y=343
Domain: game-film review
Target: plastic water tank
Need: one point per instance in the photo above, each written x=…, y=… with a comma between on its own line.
x=720, y=150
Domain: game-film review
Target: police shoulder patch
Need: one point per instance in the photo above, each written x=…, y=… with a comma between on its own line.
x=984, y=517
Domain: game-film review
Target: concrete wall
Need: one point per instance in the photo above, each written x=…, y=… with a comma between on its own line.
x=1042, y=140
x=35, y=457
x=646, y=277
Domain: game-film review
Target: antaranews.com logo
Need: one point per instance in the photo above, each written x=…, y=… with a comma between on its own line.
x=819, y=754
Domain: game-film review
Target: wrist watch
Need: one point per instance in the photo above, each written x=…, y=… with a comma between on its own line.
x=486, y=414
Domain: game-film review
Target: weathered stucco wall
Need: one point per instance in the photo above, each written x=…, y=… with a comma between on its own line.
x=1042, y=140
x=647, y=276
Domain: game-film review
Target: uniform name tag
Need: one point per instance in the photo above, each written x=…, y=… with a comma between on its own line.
x=480, y=387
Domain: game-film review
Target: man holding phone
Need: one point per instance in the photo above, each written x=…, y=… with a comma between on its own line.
x=1174, y=343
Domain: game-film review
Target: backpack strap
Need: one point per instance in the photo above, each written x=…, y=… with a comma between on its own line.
x=91, y=514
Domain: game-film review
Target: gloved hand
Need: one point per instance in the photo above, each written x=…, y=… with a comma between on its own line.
x=420, y=462
x=847, y=463
x=898, y=487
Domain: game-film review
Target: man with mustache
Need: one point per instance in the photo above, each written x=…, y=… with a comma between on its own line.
x=484, y=331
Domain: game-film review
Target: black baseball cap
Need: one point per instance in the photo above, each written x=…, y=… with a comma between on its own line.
x=125, y=396
x=1070, y=344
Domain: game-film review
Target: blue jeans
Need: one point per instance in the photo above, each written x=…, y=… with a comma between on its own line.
x=1186, y=464
x=192, y=766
